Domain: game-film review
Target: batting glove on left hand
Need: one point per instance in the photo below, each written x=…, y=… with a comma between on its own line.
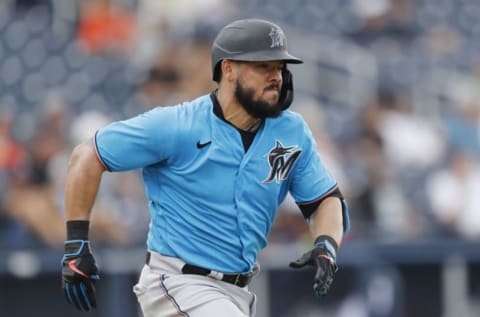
x=323, y=258
x=79, y=274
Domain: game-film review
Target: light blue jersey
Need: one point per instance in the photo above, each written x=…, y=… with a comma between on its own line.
x=211, y=203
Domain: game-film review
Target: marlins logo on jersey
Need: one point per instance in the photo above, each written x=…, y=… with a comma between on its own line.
x=281, y=160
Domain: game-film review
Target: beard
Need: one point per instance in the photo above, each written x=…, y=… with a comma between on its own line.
x=259, y=109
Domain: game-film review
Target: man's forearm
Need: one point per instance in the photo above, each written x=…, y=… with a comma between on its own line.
x=328, y=220
x=83, y=180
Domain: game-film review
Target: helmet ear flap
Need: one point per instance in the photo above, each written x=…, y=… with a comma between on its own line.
x=217, y=72
x=286, y=93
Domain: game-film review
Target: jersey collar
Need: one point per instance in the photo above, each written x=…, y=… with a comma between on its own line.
x=217, y=109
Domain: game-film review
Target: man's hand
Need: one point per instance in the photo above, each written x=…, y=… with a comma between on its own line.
x=79, y=274
x=322, y=257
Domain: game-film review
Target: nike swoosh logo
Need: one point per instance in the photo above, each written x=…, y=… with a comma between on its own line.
x=73, y=267
x=200, y=145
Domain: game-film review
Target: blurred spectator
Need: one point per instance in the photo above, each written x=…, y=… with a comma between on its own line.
x=12, y=161
x=394, y=150
x=161, y=85
x=177, y=74
x=12, y=153
x=194, y=70
x=161, y=23
x=453, y=194
x=30, y=202
x=462, y=116
x=383, y=19
x=410, y=140
x=35, y=201
x=367, y=168
x=105, y=26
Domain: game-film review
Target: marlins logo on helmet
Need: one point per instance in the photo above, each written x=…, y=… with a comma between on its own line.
x=277, y=36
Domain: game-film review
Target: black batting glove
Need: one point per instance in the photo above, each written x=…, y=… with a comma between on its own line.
x=79, y=274
x=323, y=259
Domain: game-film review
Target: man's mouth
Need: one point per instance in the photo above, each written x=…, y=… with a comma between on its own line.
x=273, y=87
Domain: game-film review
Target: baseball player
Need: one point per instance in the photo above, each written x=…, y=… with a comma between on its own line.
x=215, y=171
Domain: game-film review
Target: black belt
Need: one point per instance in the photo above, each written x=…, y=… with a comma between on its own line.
x=240, y=280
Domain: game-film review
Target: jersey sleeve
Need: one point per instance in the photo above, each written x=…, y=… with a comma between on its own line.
x=137, y=142
x=310, y=180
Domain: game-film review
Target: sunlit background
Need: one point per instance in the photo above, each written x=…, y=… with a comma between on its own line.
x=390, y=88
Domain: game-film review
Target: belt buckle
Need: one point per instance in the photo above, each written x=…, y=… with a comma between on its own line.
x=237, y=279
x=244, y=280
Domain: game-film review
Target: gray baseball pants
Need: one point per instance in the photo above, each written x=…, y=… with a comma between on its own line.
x=164, y=291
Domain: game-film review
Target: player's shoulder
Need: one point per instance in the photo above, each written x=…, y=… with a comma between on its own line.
x=290, y=117
x=291, y=123
x=183, y=109
x=198, y=105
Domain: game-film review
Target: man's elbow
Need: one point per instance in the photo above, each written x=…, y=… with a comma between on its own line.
x=84, y=156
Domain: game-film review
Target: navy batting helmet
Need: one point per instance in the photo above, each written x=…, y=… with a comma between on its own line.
x=250, y=40
x=254, y=40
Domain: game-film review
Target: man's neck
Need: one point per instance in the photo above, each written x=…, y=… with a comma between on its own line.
x=234, y=113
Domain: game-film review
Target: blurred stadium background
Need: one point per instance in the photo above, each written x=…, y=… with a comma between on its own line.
x=391, y=89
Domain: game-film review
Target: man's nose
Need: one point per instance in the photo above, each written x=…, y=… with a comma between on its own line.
x=275, y=76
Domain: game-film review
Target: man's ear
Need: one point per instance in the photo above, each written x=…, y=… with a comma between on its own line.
x=228, y=68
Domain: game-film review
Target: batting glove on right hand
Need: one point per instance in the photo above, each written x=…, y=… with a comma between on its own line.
x=79, y=274
x=323, y=258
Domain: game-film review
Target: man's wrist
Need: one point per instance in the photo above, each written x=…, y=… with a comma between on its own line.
x=77, y=229
x=328, y=243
